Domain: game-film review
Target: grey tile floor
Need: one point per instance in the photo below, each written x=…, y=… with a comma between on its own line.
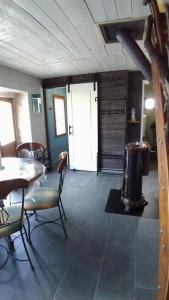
x=107, y=256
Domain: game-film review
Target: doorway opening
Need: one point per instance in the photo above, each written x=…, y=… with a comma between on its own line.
x=148, y=126
x=15, y=126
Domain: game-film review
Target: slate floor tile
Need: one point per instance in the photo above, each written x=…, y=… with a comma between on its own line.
x=115, y=294
x=80, y=280
x=147, y=228
x=147, y=294
x=146, y=263
x=122, y=229
x=113, y=279
x=40, y=284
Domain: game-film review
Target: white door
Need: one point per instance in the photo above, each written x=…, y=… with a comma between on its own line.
x=82, y=126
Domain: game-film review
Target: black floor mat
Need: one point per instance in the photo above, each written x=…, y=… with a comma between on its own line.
x=114, y=205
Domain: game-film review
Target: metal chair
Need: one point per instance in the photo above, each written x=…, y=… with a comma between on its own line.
x=12, y=217
x=40, y=198
x=34, y=150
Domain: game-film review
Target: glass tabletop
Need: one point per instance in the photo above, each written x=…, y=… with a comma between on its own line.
x=28, y=169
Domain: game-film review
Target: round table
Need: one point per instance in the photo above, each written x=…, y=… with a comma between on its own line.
x=14, y=167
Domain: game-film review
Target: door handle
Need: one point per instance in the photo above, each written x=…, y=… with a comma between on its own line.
x=70, y=130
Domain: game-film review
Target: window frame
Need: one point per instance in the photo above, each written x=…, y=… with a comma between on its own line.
x=55, y=97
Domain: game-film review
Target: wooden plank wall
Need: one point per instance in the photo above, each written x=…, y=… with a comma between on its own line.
x=112, y=95
x=135, y=101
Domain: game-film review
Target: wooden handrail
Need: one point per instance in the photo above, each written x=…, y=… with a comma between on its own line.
x=155, y=45
x=163, y=176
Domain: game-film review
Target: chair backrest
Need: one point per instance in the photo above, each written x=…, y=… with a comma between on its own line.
x=7, y=186
x=35, y=148
x=62, y=166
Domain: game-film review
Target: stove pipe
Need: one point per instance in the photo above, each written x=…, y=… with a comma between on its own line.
x=124, y=37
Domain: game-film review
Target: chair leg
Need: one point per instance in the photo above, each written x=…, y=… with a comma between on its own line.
x=29, y=228
x=60, y=213
x=36, y=218
x=63, y=209
x=27, y=237
x=11, y=242
x=5, y=261
x=26, y=250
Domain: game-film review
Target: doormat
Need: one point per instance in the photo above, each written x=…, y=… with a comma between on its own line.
x=114, y=205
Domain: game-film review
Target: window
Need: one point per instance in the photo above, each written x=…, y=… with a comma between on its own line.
x=36, y=103
x=7, y=134
x=59, y=112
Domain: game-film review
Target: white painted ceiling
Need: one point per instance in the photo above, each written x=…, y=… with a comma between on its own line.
x=50, y=38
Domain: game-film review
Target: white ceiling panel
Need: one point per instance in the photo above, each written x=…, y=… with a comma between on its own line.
x=57, y=15
x=77, y=11
x=111, y=9
x=124, y=8
x=6, y=9
x=48, y=38
x=121, y=62
x=97, y=10
x=42, y=50
x=130, y=64
x=21, y=66
x=106, y=63
x=10, y=51
x=138, y=9
x=114, y=49
x=87, y=66
x=48, y=24
x=102, y=10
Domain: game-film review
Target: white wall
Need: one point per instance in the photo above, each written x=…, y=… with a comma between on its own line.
x=22, y=118
x=12, y=79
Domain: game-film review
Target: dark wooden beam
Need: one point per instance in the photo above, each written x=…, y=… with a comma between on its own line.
x=73, y=79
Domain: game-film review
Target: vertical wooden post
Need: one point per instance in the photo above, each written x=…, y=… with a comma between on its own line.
x=163, y=175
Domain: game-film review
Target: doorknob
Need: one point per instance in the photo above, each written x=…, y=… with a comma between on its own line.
x=70, y=130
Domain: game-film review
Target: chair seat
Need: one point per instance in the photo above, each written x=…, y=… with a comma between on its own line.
x=41, y=198
x=14, y=213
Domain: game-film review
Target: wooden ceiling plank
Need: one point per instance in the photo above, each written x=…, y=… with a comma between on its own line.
x=139, y=10
x=77, y=12
x=111, y=9
x=6, y=9
x=130, y=63
x=121, y=62
x=106, y=63
x=88, y=66
x=124, y=9
x=20, y=58
x=41, y=50
x=35, y=12
x=97, y=10
x=114, y=49
x=19, y=53
x=58, y=16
